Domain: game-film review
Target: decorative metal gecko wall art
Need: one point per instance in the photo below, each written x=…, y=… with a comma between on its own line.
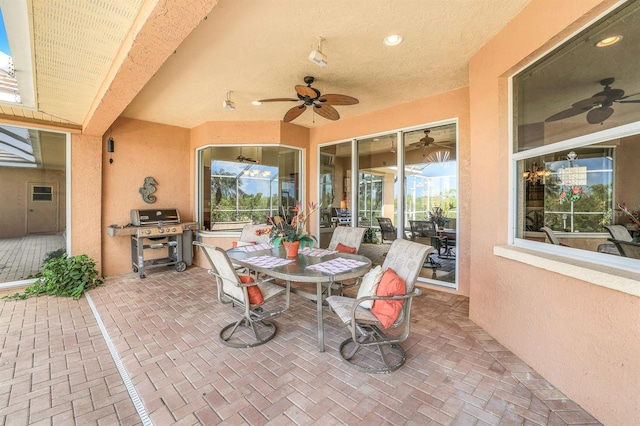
x=148, y=188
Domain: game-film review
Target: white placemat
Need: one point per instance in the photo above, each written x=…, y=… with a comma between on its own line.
x=267, y=261
x=254, y=247
x=336, y=266
x=317, y=252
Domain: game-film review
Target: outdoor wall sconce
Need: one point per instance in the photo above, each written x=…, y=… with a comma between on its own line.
x=111, y=148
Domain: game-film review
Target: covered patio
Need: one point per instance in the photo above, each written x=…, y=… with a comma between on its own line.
x=163, y=331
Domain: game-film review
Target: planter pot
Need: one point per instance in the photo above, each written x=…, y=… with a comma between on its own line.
x=291, y=248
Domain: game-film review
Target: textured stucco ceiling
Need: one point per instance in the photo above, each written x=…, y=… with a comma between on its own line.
x=255, y=48
x=260, y=49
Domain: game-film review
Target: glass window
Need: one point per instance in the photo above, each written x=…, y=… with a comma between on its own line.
x=409, y=177
x=377, y=178
x=42, y=193
x=431, y=191
x=576, y=138
x=242, y=184
x=579, y=88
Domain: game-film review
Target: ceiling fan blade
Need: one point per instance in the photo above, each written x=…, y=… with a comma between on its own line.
x=629, y=102
x=566, y=114
x=305, y=91
x=589, y=103
x=294, y=113
x=279, y=100
x=327, y=111
x=599, y=115
x=628, y=96
x=334, y=99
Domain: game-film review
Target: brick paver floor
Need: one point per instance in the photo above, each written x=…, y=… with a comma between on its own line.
x=24, y=256
x=55, y=367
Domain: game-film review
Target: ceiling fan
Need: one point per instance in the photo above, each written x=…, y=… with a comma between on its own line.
x=599, y=106
x=241, y=158
x=427, y=142
x=311, y=97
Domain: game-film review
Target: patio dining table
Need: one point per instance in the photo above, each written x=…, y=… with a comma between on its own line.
x=312, y=266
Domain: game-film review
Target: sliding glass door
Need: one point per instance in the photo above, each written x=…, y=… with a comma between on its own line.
x=407, y=176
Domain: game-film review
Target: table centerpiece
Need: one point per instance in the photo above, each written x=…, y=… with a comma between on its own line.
x=291, y=234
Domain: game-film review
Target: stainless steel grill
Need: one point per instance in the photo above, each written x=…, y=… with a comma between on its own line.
x=160, y=229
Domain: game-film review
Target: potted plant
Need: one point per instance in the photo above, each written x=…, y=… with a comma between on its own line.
x=437, y=216
x=293, y=235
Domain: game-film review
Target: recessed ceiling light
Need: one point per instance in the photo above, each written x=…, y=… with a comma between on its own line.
x=608, y=41
x=256, y=103
x=393, y=40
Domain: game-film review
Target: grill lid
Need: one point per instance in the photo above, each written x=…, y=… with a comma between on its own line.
x=154, y=217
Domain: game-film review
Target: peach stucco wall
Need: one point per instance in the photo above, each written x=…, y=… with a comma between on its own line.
x=444, y=106
x=581, y=337
x=86, y=196
x=141, y=149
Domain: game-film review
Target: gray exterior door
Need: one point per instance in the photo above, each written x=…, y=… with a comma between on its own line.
x=42, y=207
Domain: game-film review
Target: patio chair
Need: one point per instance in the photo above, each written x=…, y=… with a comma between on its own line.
x=627, y=248
x=619, y=232
x=252, y=328
x=388, y=230
x=368, y=332
x=249, y=235
x=347, y=239
x=553, y=239
x=424, y=232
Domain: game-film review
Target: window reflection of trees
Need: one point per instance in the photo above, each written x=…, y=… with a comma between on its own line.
x=247, y=190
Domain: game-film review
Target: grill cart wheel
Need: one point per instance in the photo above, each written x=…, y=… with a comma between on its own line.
x=135, y=269
x=181, y=266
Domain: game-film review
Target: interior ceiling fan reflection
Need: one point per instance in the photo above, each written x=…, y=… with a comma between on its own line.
x=428, y=142
x=598, y=107
x=241, y=158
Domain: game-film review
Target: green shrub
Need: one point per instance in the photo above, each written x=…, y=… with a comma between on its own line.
x=53, y=255
x=371, y=236
x=63, y=276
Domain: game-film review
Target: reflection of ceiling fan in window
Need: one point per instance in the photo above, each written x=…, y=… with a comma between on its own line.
x=244, y=159
x=599, y=106
x=241, y=158
x=429, y=146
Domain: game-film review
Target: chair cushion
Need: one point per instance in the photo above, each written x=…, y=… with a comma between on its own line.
x=369, y=285
x=345, y=249
x=388, y=311
x=255, y=295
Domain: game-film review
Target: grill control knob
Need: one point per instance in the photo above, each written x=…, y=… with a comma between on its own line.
x=161, y=231
x=173, y=230
x=147, y=231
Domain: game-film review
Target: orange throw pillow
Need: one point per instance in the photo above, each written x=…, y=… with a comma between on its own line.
x=255, y=295
x=388, y=311
x=345, y=249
